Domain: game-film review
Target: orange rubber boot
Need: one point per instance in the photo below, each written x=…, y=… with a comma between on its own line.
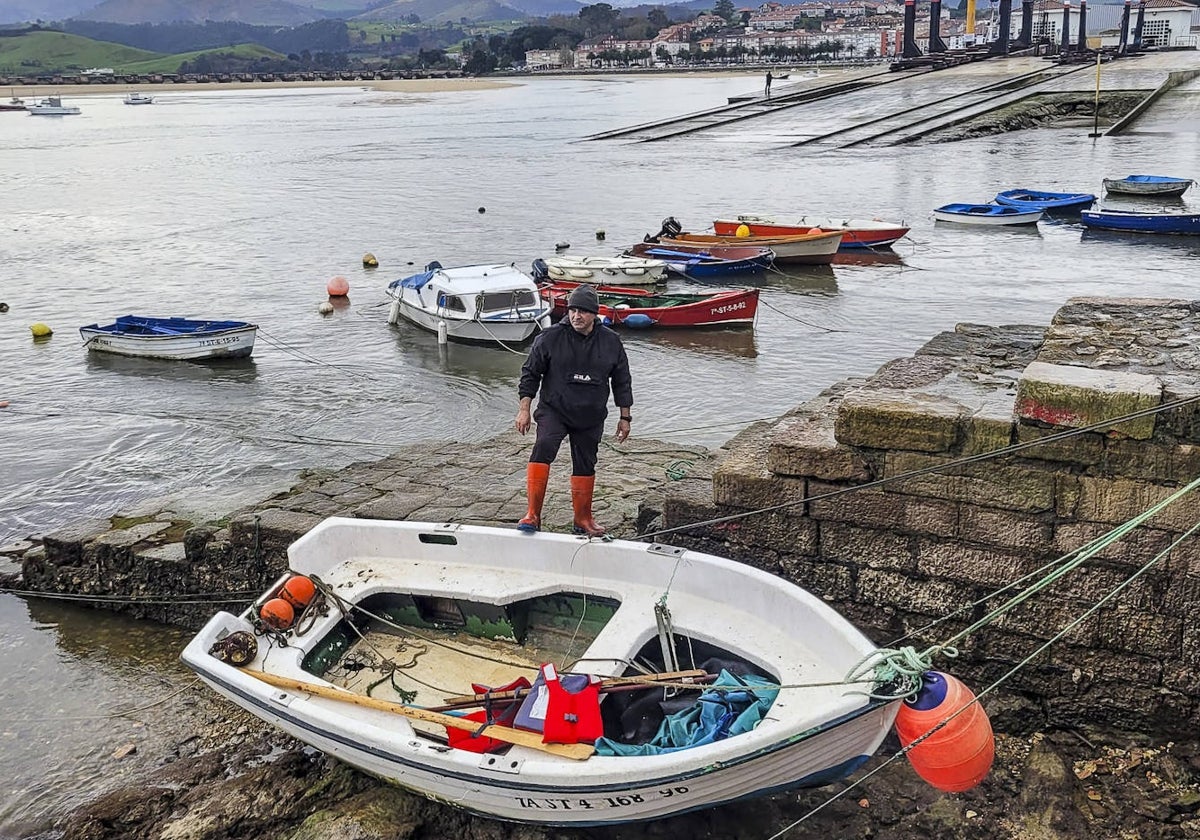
x=536, y=476
x=582, y=487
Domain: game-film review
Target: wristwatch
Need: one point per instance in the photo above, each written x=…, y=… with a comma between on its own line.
x=627, y=419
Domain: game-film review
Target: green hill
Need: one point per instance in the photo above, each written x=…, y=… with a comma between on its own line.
x=42, y=53
x=57, y=52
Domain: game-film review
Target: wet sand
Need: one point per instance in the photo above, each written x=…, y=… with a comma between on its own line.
x=395, y=85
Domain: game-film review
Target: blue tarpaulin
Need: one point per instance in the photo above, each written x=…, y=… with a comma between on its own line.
x=715, y=716
x=417, y=281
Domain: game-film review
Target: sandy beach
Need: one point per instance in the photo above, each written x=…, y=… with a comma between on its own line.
x=394, y=85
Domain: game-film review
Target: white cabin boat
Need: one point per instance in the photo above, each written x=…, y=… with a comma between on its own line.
x=136, y=98
x=601, y=271
x=51, y=106
x=473, y=303
x=484, y=605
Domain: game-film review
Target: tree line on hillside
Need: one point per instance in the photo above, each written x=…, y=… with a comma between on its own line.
x=171, y=38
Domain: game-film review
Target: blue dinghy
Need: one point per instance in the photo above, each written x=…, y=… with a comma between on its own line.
x=1047, y=201
x=1138, y=222
x=171, y=338
x=1157, y=186
x=694, y=261
x=986, y=214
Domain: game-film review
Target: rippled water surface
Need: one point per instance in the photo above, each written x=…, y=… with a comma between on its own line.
x=243, y=204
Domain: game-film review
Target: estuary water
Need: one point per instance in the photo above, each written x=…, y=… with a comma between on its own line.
x=243, y=204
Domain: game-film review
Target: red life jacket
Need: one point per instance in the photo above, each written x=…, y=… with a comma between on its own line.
x=571, y=717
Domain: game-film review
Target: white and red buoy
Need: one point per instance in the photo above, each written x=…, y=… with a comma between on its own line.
x=959, y=754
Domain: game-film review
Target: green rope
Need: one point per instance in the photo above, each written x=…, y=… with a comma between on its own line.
x=678, y=469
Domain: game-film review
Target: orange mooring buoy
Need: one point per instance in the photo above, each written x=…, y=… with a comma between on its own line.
x=959, y=755
x=277, y=613
x=298, y=591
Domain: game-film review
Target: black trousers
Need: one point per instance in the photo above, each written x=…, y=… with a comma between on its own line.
x=585, y=443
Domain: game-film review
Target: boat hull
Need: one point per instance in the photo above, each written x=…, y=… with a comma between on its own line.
x=474, y=331
x=986, y=215
x=609, y=271
x=1184, y=224
x=620, y=307
x=800, y=249
x=857, y=234
x=230, y=343
x=812, y=737
x=691, y=260
x=1147, y=186
x=1046, y=201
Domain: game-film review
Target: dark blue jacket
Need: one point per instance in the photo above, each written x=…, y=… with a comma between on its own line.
x=573, y=373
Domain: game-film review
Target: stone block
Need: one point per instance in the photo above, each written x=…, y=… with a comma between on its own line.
x=64, y=547
x=1120, y=500
x=1043, y=618
x=989, y=568
x=1174, y=463
x=989, y=483
x=867, y=547
x=899, y=420
x=927, y=597
x=828, y=581
x=1078, y=397
x=742, y=479
x=1005, y=528
x=1084, y=449
x=270, y=529
x=777, y=530
x=1140, y=631
x=806, y=446
x=879, y=509
x=399, y=505
x=990, y=427
x=1137, y=548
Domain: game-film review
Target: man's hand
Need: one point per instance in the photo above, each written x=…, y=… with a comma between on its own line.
x=622, y=430
x=523, y=420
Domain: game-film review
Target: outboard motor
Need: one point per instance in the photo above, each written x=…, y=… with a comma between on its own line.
x=670, y=227
x=433, y=266
x=541, y=271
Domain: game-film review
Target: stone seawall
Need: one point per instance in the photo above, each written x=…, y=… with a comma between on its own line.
x=899, y=555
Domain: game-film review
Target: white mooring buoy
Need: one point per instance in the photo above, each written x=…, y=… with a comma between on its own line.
x=443, y=332
x=394, y=313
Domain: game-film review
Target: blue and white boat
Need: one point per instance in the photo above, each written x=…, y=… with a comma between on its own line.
x=1051, y=202
x=471, y=303
x=1142, y=222
x=706, y=261
x=171, y=338
x=986, y=214
x=1154, y=186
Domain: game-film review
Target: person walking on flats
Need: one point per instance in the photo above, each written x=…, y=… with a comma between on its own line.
x=570, y=368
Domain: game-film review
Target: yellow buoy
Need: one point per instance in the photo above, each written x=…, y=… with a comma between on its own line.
x=742, y=231
x=369, y=261
x=40, y=330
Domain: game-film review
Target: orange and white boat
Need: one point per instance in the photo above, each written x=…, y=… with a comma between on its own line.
x=856, y=233
x=799, y=249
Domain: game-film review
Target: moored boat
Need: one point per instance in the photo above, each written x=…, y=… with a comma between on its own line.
x=15, y=103
x=135, y=98
x=472, y=303
x=801, y=249
x=857, y=234
x=483, y=605
x=51, y=106
x=705, y=261
x=640, y=308
x=1154, y=186
x=612, y=271
x=1142, y=222
x=180, y=339
x=986, y=214
x=1048, y=201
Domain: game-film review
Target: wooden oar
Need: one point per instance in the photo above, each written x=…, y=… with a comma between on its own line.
x=641, y=680
x=578, y=752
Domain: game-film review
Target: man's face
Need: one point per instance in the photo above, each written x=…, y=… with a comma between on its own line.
x=581, y=320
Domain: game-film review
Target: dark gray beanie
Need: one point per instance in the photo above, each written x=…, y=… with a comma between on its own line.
x=584, y=297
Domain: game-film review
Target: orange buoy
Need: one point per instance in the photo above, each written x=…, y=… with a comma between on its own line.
x=814, y=231
x=338, y=287
x=277, y=613
x=298, y=591
x=957, y=756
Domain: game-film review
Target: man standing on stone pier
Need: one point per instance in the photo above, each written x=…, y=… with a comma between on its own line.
x=572, y=364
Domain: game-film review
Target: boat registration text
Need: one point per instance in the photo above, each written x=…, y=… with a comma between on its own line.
x=595, y=803
x=729, y=307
